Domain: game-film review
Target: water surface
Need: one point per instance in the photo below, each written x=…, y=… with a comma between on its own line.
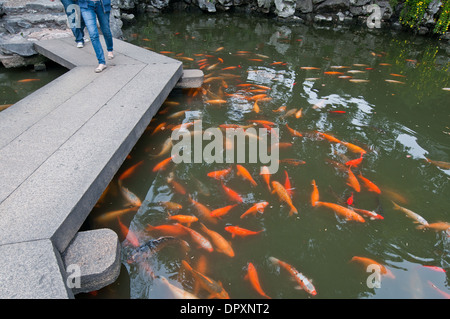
x=399, y=124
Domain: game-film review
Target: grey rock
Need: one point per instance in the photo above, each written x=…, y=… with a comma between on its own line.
x=304, y=6
x=24, y=48
x=359, y=3
x=333, y=6
x=284, y=8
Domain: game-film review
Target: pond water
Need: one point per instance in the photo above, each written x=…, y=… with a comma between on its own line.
x=383, y=91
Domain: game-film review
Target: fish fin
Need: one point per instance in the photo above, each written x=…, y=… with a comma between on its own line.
x=298, y=288
x=396, y=206
x=246, y=277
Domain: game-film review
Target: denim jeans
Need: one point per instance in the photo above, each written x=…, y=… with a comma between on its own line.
x=75, y=19
x=90, y=15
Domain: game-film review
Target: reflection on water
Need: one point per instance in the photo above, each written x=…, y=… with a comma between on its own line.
x=337, y=78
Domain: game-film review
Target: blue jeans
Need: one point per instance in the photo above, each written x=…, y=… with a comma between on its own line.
x=90, y=15
x=75, y=19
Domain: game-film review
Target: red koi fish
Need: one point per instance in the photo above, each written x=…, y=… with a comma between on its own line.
x=350, y=200
x=252, y=277
x=219, y=212
x=241, y=232
x=369, y=213
x=369, y=185
x=333, y=73
x=355, y=162
x=234, y=196
x=287, y=184
x=162, y=165
x=304, y=283
x=443, y=293
x=256, y=208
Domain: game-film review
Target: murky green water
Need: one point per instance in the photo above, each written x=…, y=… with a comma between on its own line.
x=398, y=124
x=17, y=83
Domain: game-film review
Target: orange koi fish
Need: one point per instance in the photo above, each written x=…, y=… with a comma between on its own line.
x=183, y=219
x=168, y=230
x=342, y=211
x=252, y=277
x=130, y=170
x=280, y=109
x=284, y=196
x=355, y=162
x=199, y=239
x=221, y=244
x=241, y=232
x=352, y=181
x=219, y=174
x=160, y=127
x=256, y=107
x=328, y=137
x=219, y=212
x=309, y=68
x=243, y=172
x=292, y=161
x=162, y=165
x=110, y=215
x=266, y=175
x=129, y=235
x=304, y=283
x=298, y=114
x=217, y=101
x=294, y=132
x=215, y=289
x=231, y=194
x=171, y=205
x=333, y=73
x=256, y=208
x=366, y=262
x=369, y=185
x=28, y=80
x=177, y=187
x=314, y=194
x=203, y=212
x=353, y=148
x=262, y=122
x=398, y=75
x=438, y=226
x=129, y=196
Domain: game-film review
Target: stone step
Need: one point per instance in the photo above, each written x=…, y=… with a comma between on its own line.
x=13, y=7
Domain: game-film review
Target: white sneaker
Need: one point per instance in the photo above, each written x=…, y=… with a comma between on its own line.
x=80, y=44
x=100, y=68
x=86, y=40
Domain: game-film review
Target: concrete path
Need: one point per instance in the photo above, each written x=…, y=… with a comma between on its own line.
x=59, y=149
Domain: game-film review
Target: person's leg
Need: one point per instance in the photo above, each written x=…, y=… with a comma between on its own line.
x=103, y=19
x=75, y=20
x=90, y=20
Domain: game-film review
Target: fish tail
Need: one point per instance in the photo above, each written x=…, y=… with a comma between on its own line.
x=293, y=211
x=186, y=265
x=396, y=206
x=274, y=260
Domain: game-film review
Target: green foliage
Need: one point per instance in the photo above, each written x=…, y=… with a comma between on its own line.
x=413, y=13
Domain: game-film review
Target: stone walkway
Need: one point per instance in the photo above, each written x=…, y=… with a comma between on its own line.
x=59, y=149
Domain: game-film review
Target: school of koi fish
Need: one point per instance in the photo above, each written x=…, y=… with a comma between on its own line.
x=207, y=234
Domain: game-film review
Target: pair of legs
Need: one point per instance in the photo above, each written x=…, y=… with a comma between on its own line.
x=90, y=16
x=76, y=22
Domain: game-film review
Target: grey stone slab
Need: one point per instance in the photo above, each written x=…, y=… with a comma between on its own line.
x=28, y=151
x=26, y=112
x=64, y=53
x=32, y=270
x=119, y=57
x=55, y=200
x=190, y=79
x=92, y=260
x=141, y=54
